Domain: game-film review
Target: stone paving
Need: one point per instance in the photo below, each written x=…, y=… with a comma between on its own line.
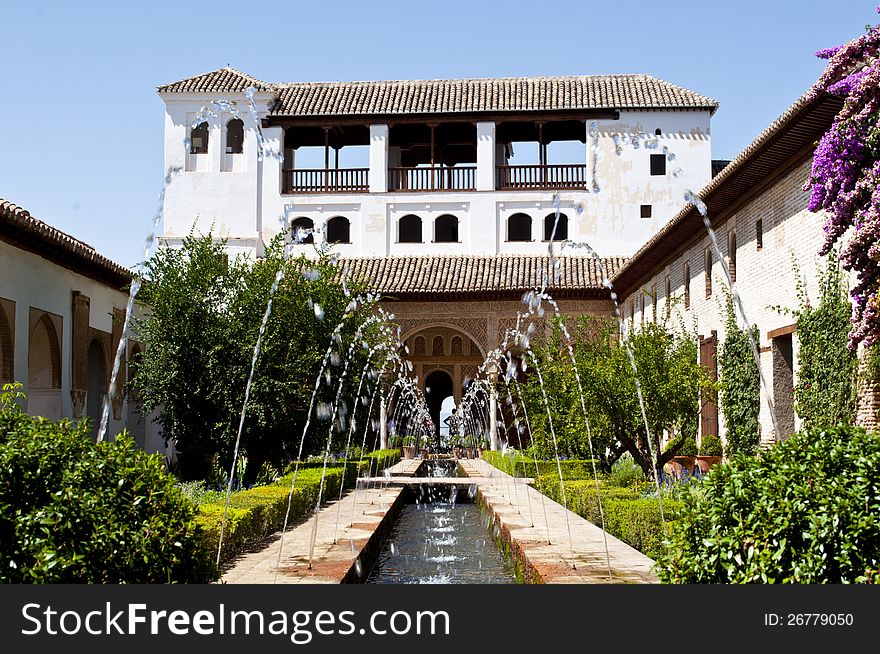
x=535, y=527
x=545, y=543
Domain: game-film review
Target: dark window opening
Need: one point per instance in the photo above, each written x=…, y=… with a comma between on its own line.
x=687, y=286
x=759, y=234
x=561, y=232
x=198, y=138
x=446, y=229
x=708, y=272
x=668, y=294
x=234, y=136
x=299, y=229
x=645, y=211
x=338, y=230
x=519, y=227
x=658, y=132
x=409, y=229
x=731, y=256
x=658, y=164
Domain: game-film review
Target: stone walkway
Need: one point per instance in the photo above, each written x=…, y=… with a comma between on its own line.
x=535, y=527
x=520, y=514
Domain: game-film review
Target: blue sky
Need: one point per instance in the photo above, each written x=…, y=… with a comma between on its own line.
x=82, y=124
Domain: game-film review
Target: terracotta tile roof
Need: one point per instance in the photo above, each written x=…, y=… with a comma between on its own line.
x=456, y=96
x=225, y=79
x=786, y=142
x=21, y=229
x=401, y=275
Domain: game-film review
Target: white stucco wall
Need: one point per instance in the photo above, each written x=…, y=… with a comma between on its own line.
x=246, y=205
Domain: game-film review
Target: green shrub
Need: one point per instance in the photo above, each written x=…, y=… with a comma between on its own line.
x=711, y=446
x=522, y=466
x=807, y=511
x=688, y=448
x=628, y=516
x=73, y=511
x=625, y=472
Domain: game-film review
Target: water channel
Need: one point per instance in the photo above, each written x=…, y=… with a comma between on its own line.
x=441, y=537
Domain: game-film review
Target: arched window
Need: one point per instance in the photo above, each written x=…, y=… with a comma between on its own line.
x=299, y=227
x=687, y=286
x=456, y=346
x=446, y=229
x=44, y=356
x=409, y=229
x=759, y=234
x=731, y=256
x=437, y=346
x=198, y=139
x=708, y=267
x=235, y=136
x=658, y=132
x=338, y=230
x=561, y=227
x=420, y=345
x=519, y=227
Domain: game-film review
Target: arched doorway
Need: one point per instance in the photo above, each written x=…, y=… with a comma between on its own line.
x=97, y=385
x=44, y=367
x=135, y=420
x=438, y=386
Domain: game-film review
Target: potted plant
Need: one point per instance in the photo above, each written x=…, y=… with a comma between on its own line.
x=710, y=454
x=408, y=450
x=685, y=457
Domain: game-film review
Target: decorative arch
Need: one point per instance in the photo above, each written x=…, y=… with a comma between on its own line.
x=235, y=136
x=302, y=224
x=409, y=229
x=408, y=330
x=437, y=346
x=420, y=345
x=44, y=356
x=338, y=230
x=561, y=227
x=519, y=227
x=457, y=346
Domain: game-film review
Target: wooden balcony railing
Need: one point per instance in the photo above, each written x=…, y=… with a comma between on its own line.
x=438, y=178
x=337, y=180
x=550, y=176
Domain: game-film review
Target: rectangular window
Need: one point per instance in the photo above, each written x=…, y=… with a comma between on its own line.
x=759, y=234
x=645, y=211
x=658, y=164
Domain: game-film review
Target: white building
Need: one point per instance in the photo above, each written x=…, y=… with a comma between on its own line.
x=61, y=311
x=437, y=167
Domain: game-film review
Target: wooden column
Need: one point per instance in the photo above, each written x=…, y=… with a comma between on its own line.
x=432, y=156
x=326, y=158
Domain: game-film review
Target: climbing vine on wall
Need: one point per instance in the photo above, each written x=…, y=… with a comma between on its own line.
x=740, y=387
x=825, y=393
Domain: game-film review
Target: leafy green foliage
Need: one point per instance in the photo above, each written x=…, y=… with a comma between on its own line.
x=684, y=445
x=807, y=511
x=625, y=473
x=200, y=333
x=75, y=511
x=825, y=393
x=740, y=386
x=670, y=378
x=523, y=466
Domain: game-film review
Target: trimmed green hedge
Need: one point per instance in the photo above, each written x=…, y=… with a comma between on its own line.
x=571, y=468
x=258, y=512
x=628, y=516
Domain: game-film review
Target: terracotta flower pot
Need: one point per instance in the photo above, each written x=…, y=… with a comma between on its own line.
x=409, y=451
x=684, y=463
x=705, y=463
